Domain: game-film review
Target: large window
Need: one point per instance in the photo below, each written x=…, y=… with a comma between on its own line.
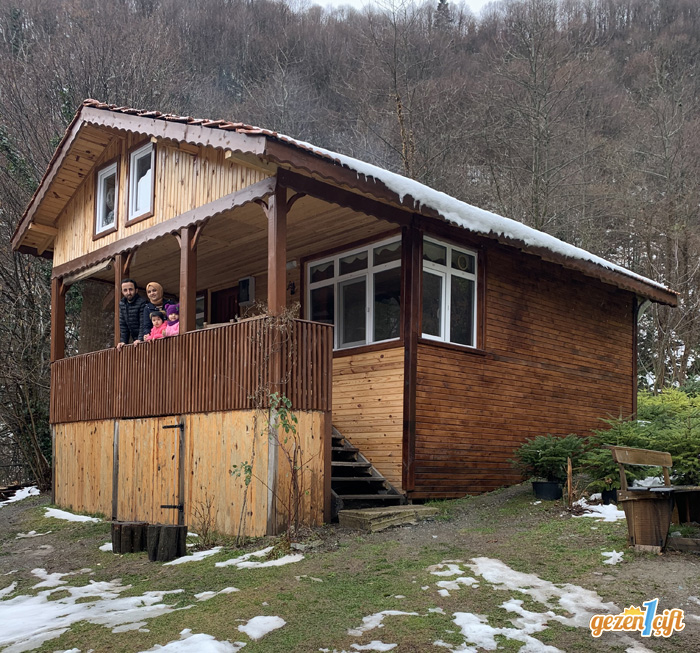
x=449, y=293
x=107, y=199
x=141, y=182
x=358, y=291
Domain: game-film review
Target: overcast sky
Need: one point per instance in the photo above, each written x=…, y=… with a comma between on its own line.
x=474, y=5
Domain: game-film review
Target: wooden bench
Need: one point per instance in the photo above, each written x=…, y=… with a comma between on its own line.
x=649, y=510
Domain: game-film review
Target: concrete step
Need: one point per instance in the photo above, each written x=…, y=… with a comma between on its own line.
x=377, y=519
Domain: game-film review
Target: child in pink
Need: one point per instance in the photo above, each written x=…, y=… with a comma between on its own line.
x=172, y=326
x=158, y=328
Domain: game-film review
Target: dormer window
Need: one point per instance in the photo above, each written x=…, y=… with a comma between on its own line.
x=141, y=182
x=107, y=199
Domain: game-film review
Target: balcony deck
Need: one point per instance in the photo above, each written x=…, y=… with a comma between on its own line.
x=232, y=367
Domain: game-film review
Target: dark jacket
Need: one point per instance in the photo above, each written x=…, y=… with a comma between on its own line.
x=130, y=319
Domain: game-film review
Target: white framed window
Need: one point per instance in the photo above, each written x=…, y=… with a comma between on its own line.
x=141, y=182
x=358, y=291
x=107, y=199
x=449, y=293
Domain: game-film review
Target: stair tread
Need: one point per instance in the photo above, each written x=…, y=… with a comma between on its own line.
x=365, y=497
x=350, y=463
x=345, y=479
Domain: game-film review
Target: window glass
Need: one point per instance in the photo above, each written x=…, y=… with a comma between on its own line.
x=322, y=271
x=323, y=305
x=353, y=313
x=353, y=263
x=432, y=304
x=107, y=197
x=141, y=182
x=434, y=253
x=387, y=304
x=462, y=311
x=387, y=253
x=462, y=261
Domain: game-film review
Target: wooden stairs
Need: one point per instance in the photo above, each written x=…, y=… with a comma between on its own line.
x=355, y=483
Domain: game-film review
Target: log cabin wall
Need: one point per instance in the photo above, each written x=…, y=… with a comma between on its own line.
x=558, y=357
x=216, y=445
x=368, y=406
x=184, y=179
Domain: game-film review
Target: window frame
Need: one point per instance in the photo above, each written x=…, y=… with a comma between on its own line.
x=139, y=152
x=106, y=171
x=446, y=272
x=337, y=280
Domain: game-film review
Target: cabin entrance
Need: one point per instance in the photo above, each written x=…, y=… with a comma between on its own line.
x=149, y=474
x=224, y=305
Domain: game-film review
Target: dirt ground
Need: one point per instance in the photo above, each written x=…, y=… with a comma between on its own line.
x=498, y=525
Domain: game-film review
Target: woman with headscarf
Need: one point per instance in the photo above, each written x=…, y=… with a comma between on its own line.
x=156, y=302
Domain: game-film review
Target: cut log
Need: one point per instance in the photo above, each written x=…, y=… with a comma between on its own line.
x=129, y=537
x=166, y=542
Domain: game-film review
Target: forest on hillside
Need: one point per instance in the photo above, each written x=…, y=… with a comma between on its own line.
x=580, y=118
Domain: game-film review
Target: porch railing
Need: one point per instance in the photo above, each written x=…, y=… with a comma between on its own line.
x=230, y=367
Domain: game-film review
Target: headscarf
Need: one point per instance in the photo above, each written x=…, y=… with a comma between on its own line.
x=159, y=288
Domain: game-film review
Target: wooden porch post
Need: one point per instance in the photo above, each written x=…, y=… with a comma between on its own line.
x=118, y=276
x=277, y=251
x=58, y=319
x=188, y=277
x=411, y=265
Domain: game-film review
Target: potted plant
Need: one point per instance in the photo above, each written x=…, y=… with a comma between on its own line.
x=545, y=459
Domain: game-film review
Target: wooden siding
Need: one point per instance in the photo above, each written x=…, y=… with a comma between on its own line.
x=216, y=444
x=212, y=370
x=368, y=406
x=83, y=466
x=558, y=358
x=184, y=179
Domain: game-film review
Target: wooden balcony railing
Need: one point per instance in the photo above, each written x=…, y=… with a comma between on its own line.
x=230, y=367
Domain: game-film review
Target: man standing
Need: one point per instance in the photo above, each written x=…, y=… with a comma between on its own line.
x=130, y=314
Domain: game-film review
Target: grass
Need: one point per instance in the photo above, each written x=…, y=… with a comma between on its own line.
x=362, y=575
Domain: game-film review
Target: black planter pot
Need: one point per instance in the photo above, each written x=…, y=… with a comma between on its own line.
x=609, y=496
x=547, y=490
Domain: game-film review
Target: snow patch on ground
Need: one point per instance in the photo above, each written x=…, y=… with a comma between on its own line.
x=245, y=562
x=107, y=546
x=258, y=627
x=26, y=622
x=68, y=516
x=22, y=493
x=205, y=596
x=8, y=590
x=54, y=580
x=375, y=621
x=602, y=513
x=613, y=557
x=201, y=643
x=195, y=557
x=21, y=536
x=374, y=645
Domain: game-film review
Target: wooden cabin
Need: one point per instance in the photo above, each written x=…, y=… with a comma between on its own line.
x=435, y=337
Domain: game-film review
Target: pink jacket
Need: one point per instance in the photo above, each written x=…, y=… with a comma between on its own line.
x=157, y=332
x=172, y=330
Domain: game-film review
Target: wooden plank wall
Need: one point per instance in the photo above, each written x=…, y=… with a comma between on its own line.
x=215, y=369
x=83, y=466
x=215, y=445
x=558, y=358
x=184, y=179
x=368, y=406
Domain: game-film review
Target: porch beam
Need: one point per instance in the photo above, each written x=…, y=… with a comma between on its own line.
x=58, y=320
x=188, y=278
x=121, y=271
x=343, y=198
x=199, y=215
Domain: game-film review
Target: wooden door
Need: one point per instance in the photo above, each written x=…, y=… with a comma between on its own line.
x=224, y=305
x=150, y=475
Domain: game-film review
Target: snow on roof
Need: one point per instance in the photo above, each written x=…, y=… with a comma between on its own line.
x=465, y=215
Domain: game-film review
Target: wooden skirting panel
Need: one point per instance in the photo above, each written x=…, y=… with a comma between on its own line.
x=559, y=359
x=83, y=466
x=222, y=450
x=368, y=406
x=224, y=368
